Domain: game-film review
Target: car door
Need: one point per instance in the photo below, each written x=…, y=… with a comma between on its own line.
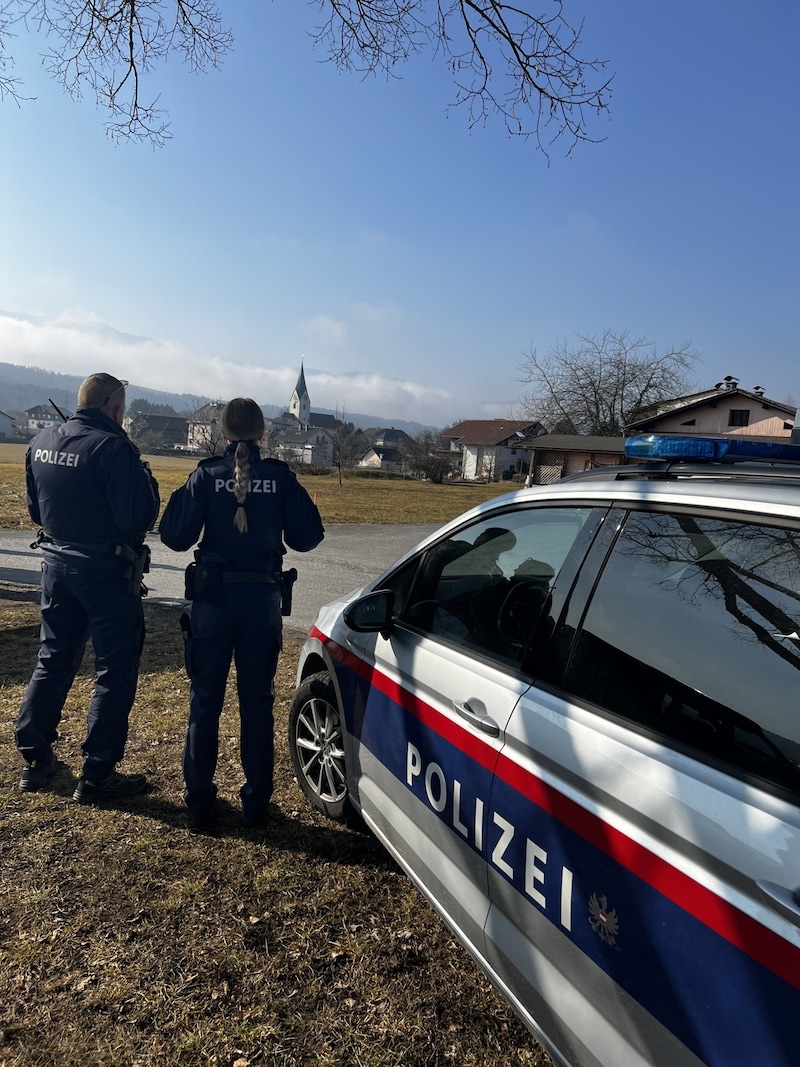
x=439, y=689
x=647, y=907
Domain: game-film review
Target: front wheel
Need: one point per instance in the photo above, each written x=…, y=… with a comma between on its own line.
x=316, y=743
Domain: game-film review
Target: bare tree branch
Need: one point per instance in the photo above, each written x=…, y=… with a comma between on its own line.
x=107, y=48
x=506, y=61
x=527, y=70
x=602, y=383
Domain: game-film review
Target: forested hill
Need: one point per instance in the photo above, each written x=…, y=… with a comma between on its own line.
x=25, y=387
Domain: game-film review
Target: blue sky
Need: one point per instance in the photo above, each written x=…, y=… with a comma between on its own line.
x=359, y=224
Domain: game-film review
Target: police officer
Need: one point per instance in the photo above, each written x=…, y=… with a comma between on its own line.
x=245, y=507
x=95, y=499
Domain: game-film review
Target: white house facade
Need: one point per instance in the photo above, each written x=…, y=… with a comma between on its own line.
x=492, y=449
x=312, y=447
x=42, y=416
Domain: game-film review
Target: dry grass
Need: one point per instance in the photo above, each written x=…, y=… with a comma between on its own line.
x=356, y=500
x=127, y=941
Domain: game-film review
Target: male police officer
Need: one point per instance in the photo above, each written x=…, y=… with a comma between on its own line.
x=95, y=500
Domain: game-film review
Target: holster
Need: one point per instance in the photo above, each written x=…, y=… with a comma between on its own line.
x=188, y=581
x=288, y=578
x=134, y=565
x=203, y=580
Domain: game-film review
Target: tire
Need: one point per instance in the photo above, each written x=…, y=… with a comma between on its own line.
x=316, y=743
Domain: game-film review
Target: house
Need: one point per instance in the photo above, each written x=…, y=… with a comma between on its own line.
x=388, y=449
x=725, y=409
x=491, y=449
x=6, y=427
x=283, y=424
x=384, y=458
x=203, y=433
x=42, y=416
x=313, y=446
x=554, y=455
x=161, y=432
x=387, y=436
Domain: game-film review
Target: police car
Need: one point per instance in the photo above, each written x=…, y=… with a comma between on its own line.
x=571, y=715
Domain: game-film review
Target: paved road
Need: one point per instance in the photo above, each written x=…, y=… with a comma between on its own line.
x=349, y=557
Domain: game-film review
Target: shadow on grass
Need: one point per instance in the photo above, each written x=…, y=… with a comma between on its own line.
x=326, y=842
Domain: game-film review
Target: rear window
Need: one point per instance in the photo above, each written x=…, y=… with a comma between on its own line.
x=694, y=632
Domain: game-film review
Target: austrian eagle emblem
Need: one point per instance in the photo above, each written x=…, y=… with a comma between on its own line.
x=602, y=919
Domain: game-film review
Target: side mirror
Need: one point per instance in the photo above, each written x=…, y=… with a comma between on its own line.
x=372, y=613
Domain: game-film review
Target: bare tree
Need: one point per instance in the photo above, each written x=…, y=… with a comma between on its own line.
x=429, y=457
x=145, y=437
x=526, y=69
x=602, y=383
x=205, y=430
x=348, y=442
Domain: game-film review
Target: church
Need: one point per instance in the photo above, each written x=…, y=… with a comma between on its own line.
x=300, y=435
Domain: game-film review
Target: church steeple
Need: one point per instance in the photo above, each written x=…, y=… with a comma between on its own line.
x=300, y=403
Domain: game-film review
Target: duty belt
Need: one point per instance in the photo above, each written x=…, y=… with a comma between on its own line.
x=245, y=577
x=97, y=549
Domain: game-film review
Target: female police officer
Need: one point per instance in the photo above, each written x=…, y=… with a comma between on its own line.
x=245, y=507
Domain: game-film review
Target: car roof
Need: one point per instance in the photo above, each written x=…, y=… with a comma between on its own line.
x=725, y=487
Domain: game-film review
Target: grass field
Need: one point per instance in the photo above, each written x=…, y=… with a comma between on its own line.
x=376, y=500
x=126, y=940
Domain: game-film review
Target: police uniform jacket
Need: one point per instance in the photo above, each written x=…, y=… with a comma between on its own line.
x=87, y=485
x=278, y=510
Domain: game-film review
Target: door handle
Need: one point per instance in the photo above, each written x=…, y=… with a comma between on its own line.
x=485, y=723
x=786, y=901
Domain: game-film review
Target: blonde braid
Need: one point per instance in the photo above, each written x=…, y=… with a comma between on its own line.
x=241, y=482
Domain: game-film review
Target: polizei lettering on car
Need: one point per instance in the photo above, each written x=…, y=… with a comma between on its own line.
x=625, y=908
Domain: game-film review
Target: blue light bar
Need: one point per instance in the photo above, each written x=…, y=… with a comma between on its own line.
x=679, y=449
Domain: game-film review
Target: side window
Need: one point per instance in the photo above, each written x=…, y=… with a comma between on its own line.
x=486, y=587
x=400, y=584
x=694, y=632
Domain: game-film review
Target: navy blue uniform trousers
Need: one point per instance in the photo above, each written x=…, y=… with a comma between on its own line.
x=246, y=628
x=82, y=598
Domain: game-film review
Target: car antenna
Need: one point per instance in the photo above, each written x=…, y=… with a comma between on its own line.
x=58, y=409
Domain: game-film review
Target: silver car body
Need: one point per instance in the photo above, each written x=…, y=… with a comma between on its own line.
x=636, y=904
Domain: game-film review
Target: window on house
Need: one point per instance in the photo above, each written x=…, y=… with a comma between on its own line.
x=739, y=417
x=689, y=422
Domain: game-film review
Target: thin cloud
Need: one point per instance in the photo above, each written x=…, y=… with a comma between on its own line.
x=77, y=342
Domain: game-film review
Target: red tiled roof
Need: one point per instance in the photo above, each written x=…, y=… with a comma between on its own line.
x=489, y=431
